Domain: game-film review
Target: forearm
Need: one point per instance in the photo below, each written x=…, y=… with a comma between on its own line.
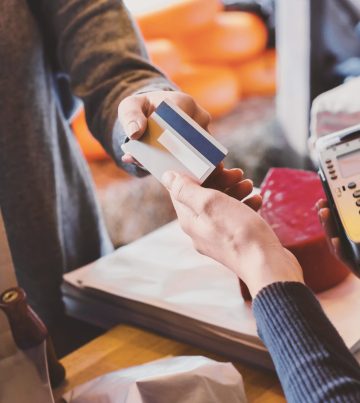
x=310, y=357
x=99, y=47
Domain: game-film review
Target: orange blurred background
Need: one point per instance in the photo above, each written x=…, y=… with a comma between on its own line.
x=219, y=57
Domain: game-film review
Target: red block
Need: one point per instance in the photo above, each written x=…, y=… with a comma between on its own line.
x=289, y=198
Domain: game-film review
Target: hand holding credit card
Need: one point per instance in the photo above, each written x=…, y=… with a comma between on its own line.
x=175, y=142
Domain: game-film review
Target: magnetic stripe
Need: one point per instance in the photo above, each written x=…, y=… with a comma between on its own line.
x=190, y=134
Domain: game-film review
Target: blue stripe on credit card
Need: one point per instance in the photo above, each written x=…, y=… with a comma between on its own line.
x=190, y=134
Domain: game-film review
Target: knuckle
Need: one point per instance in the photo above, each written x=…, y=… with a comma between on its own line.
x=187, y=228
x=185, y=102
x=208, y=121
x=127, y=117
x=208, y=203
x=124, y=109
x=198, y=246
x=206, y=118
x=201, y=249
x=178, y=189
x=184, y=226
x=129, y=103
x=121, y=106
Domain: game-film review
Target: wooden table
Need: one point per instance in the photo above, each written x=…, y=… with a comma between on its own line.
x=125, y=346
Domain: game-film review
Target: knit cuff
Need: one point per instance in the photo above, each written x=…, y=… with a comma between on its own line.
x=280, y=303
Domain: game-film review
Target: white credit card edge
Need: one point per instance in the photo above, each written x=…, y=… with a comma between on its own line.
x=156, y=161
x=184, y=154
x=193, y=123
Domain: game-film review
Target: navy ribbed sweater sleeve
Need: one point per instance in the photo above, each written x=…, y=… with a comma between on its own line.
x=310, y=357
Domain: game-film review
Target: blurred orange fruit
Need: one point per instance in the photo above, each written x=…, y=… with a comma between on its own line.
x=165, y=55
x=233, y=36
x=173, y=18
x=258, y=76
x=215, y=88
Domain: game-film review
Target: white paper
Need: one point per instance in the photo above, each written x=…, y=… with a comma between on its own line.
x=164, y=270
x=173, y=380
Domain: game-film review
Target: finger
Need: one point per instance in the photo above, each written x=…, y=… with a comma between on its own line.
x=331, y=233
x=215, y=173
x=321, y=204
x=184, y=101
x=202, y=117
x=132, y=113
x=328, y=222
x=190, y=107
x=338, y=251
x=254, y=202
x=241, y=190
x=184, y=190
x=129, y=159
x=222, y=178
x=336, y=246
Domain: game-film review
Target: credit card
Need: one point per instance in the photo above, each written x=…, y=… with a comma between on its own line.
x=173, y=141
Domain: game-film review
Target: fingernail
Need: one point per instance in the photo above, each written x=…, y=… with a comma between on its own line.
x=167, y=179
x=132, y=128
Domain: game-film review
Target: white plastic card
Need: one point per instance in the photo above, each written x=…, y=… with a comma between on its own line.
x=175, y=142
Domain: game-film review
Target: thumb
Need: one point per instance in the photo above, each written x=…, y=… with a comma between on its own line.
x=132, y=114
x=184, y=190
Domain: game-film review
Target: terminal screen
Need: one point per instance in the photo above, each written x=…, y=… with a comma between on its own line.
x=349, y=163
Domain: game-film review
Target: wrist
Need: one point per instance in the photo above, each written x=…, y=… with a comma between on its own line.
x=261, y=266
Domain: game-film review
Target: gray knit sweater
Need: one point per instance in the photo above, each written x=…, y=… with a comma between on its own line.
x=47, y=199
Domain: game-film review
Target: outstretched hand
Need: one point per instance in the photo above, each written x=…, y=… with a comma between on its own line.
x=227, y=229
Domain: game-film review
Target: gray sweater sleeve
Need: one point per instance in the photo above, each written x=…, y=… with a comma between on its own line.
x=99, y=47
x=310, y=357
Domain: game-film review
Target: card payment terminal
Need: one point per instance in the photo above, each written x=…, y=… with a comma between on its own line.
x=339, y=170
